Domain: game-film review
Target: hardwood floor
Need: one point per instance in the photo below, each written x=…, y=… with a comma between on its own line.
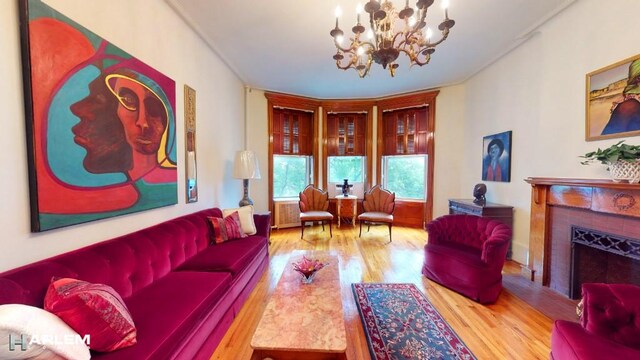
x=508, y=329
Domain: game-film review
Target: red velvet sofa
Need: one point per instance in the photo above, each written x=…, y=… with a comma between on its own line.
x=466, y=253
x=609, y=328
x=183, y=293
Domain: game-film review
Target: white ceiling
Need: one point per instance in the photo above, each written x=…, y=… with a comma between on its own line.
x=285, y=46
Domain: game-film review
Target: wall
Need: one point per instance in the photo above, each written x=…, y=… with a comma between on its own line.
x=538, y=92
x=152, y=32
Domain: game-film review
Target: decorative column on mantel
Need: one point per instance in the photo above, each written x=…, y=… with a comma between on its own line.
x=595, y=195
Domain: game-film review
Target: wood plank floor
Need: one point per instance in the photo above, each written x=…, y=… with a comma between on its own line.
x=508, y=329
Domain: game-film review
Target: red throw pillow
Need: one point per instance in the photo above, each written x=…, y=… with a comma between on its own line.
x=227, y=228
x=93, y=309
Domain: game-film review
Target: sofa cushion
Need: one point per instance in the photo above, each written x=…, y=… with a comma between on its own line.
x=231, y=256
x=167, y=311
x=246, y=218
x=93, y=309
x=44, y=335
x=226, y=228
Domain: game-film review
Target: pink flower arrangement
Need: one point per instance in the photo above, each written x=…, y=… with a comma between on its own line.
x=308, y=267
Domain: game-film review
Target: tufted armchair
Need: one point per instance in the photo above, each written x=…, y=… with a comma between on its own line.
x=313, y=207
x=609, y=326
x=466, y=253
x=378, y=207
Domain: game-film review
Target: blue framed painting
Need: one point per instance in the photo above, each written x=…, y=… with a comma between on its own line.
x=496, y=157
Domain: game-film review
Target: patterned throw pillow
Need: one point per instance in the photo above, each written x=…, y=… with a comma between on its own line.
x=226, y=228
x=92, y=309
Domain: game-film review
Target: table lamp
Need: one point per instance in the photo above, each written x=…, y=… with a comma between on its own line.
x=246, y=167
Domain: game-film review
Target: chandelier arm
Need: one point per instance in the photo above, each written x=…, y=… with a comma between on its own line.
x=350, y=64
x=374, y=29
x=347, y=50
x=445, y=34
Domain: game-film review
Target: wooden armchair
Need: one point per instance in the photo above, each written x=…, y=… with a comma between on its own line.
x=313, y=207
x=378, y=208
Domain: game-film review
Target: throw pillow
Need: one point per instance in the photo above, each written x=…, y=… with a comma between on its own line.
x=93, y=309
x=246, y=218
x=45, y=335
x=227, y=228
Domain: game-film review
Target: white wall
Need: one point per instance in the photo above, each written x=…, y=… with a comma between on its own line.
x=450, y=149
x=152, y=32
x=258, y=141
x=538, y=92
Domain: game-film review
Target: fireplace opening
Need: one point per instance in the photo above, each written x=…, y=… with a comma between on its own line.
x=602, y=258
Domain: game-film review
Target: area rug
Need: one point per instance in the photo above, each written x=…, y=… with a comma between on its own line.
x=400, y=323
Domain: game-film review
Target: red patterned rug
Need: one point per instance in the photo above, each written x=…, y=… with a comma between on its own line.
x=400, y=323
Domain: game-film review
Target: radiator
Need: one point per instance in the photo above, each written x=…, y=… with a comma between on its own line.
x=287, y=214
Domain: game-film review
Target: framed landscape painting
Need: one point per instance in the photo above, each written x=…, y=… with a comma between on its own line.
x=496, y=157
x=101, y=128
x=613, y=101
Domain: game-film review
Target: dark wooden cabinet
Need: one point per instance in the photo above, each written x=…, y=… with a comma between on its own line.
x=502, y=213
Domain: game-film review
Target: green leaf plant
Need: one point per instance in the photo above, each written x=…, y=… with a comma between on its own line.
x=613, y=153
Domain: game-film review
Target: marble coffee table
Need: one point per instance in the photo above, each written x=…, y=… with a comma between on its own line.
x=303, y=321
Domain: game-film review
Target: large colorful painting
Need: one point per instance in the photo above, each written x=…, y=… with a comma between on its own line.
x=101, y=128
x=496, y=157
x=613, y=100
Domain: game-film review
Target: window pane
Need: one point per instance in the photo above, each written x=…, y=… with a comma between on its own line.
x=290, y=175
x=405, y=175
x=346, y=167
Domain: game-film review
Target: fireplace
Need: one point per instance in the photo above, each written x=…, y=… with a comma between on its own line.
x=583, y=231
x=601, y=257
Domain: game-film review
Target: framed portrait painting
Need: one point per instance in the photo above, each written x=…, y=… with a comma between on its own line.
x=101, y=127
x=496, y=157
x=613, y=100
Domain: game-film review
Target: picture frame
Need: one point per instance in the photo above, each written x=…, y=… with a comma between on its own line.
x=496, y=157
x=100, y=124
x=613, y=100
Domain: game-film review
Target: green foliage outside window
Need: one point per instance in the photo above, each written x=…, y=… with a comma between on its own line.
x=290, y=175
x=345, y=167
x=405, y=175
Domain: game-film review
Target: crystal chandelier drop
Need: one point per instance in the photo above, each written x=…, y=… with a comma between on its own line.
x=383, y=44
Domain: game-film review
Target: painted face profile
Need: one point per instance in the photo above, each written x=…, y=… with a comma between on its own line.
x=495, y=149
x=141, y=112
x=100, y=132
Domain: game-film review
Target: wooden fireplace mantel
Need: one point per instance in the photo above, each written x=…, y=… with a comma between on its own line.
x=597, y=195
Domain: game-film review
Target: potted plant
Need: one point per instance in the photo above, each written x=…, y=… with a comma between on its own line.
x=623, y=161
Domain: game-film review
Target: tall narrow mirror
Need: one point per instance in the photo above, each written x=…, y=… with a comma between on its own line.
x=190, y=144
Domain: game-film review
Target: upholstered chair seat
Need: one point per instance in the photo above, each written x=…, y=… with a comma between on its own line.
x=314, y=204
x=378, y=207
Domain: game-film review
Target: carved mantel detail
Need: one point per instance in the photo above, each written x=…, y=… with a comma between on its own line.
x=599, y=196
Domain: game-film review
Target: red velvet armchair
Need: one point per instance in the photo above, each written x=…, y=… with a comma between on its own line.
x=609, y=326
x=466, y=253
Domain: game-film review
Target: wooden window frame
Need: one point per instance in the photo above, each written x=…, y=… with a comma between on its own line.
x=275, y=100
x=418, y=99
x=346, y=106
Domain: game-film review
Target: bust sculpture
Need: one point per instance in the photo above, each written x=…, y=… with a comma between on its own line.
x=478, y=193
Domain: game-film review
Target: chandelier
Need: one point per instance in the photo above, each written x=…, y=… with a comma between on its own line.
x=383, y=44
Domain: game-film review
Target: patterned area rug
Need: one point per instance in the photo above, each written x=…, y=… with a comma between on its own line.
x=400, y=323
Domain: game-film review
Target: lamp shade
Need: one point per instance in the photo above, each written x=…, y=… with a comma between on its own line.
x=246, y=166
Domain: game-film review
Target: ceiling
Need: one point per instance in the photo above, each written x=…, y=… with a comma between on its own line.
x=285, y=46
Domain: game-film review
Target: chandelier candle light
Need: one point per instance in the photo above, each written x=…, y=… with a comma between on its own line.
x=383, y=45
